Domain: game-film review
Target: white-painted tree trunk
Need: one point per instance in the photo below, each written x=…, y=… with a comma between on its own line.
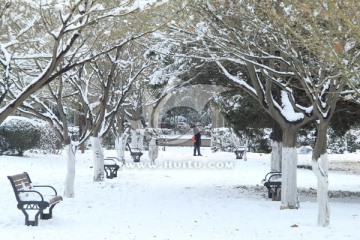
x=134, y=142
x=98, y=155
x=153, y=150
x=276, y=156
x=246, y=149
x=320, y=169
x=70, y=172
x=120, y=144
x=289, y=196
x=141, y=139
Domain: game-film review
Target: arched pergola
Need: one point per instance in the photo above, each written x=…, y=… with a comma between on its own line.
x=193, y=96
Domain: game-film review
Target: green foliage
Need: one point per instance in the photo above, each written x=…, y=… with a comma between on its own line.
x=20, y=134
x=181, y=118
x=49, y=141
x=340, y=144
x=108, y=141
x=226, y=140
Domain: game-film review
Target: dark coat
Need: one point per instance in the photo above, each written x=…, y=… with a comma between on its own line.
x=197, y=139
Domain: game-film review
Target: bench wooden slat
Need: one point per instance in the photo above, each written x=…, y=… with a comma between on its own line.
x=20, y=181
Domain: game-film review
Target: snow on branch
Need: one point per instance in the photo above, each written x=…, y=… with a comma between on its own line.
x=236, y=79
x=287, y=110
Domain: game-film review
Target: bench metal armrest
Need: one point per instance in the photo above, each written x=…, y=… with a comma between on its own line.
x=45, y=186
x=115, y=159
x=270, y=175
x=275, y=175
x=131, y=149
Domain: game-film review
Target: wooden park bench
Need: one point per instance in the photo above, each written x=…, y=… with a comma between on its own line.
x=239, y=152
x=135, y=153
x=33, y=198
x=111, y=167
x=272, y=181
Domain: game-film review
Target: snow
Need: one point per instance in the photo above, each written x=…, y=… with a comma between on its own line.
x=209, y=197
x=13, y=120
x=287, y=109
x=142, y=4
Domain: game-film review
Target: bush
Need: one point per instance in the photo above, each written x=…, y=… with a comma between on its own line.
x=341, y=144
x=19, y=134
x=3, y=144
x=49, y=141
x=224, y=139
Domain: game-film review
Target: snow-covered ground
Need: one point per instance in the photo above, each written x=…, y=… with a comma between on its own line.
x=183, y=197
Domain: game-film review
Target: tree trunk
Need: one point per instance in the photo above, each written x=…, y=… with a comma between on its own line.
x=134, y=142
x=320, y=168
x=153, y=150
x=276, y=146
x=70, y=173
x=141, y=138
x=120, y=143
x=289, y=196
x=246, y=149
x=98, y=159
x=276, y=158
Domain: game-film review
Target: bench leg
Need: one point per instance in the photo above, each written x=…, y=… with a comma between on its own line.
x=35, y=220
x=114, y=171
x=46, y=216
x=108, y=173
x=239, y=155
x=276, y=196
x=269, y=193
x=111, y=171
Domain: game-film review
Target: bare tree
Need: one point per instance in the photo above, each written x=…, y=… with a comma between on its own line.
x=329, y=35
x=71, y=35
x=47, y=40
x=104, y=91
x=287, y=71
x=298, y=57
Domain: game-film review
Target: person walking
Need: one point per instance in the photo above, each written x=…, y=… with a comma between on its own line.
x=197, y=135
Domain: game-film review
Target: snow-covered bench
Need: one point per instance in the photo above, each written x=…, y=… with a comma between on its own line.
x=239, y=152
x=33, y=198
x=135, y=153
x=272, y=181
x=111, y=167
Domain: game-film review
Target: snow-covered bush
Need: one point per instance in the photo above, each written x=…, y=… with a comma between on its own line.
x=149, y=134
x=340, y=144
x=3, y=144
x=306, y=137
x=223, y=139
x=20, y=134
x=48, y=142
x=336, y=143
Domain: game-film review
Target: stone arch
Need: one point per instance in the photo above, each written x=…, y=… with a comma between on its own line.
x=193, y=96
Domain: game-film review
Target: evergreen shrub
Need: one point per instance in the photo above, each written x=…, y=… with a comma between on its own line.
x=20, y=134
